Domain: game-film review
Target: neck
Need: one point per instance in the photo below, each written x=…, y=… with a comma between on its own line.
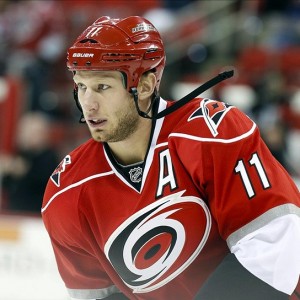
x=134, y=148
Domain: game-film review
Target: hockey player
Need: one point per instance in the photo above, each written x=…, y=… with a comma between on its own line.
x=190, y=205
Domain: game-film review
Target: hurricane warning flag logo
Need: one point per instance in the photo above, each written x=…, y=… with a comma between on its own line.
x=213, y=113
x=55, y=177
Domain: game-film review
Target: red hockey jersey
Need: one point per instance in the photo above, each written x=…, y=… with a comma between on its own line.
x=157, y=229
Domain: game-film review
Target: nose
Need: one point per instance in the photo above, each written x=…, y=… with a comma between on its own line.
x=88, y=101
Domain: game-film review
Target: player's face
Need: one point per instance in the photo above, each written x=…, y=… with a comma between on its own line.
x=108, y=107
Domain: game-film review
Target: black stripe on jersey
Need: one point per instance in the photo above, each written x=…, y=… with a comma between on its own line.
x=133, y=173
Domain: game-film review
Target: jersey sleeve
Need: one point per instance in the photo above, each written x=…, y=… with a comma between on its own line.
x=233, y=169
x=247, y=190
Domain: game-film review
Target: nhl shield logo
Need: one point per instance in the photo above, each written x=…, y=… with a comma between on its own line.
x=136, y=174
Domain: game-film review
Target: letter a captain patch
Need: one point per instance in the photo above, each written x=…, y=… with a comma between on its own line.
x=213, y=112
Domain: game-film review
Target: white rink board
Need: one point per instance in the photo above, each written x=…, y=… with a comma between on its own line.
x=27, y=266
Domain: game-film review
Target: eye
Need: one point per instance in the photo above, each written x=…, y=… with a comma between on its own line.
x=81, y=86
x=103, y=87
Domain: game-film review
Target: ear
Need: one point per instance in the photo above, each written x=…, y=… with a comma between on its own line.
x=146, y=86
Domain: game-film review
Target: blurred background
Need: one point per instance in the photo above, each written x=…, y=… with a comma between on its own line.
x=258, y=39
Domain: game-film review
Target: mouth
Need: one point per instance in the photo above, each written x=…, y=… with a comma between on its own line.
x=96, y=122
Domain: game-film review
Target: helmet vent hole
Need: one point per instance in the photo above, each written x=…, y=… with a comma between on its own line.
x=88, y=41
x=114, y=57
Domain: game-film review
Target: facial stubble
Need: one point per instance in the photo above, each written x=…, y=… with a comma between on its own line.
x=127, y=123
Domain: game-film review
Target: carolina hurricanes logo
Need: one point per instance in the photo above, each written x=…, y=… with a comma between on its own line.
x=55, y=177
x=159, y=242
x=213, y=113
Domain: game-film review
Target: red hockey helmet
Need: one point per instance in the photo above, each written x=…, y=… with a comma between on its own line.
x=131, y=46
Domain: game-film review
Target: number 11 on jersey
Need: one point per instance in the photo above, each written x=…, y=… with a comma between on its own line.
x=241, y=169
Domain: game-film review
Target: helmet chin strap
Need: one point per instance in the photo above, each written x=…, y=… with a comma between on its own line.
x=75, y=95
x=202, y=88
x=143, y=114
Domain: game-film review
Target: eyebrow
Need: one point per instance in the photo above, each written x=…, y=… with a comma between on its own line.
x=102, y=74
